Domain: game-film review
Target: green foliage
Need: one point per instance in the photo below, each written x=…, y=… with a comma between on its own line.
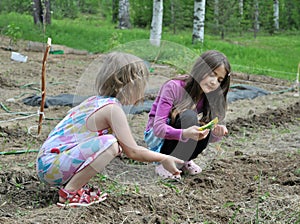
x=289, y=15
x=115, y=40
x=24, y=6
x=224, y=20
x=178, y=15
x=276, y=55
x=89, y=6
x=14, y=33
x=141, y=13
x=65, y=9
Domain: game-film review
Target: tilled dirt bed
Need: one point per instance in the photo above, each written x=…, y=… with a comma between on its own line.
x=251, y=176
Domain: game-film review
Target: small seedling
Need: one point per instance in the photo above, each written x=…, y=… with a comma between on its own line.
x=14, y=33
x=297, y=171
x=170, y=185
x=137, y=189
x=102, y=177
x=30, y=164
x=264, y=197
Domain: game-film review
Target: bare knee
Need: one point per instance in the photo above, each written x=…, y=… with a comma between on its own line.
x=105, y=157
x=115, y=149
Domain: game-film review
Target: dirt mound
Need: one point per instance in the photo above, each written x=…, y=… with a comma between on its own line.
x=278, y=117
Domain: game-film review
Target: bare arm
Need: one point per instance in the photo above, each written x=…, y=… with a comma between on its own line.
x=115, y=117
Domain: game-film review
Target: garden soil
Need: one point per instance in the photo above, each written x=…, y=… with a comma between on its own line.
x=251, y=176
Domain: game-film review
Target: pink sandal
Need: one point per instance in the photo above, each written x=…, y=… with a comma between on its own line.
x=191, y=168
x=165, y=174
x=83, y=197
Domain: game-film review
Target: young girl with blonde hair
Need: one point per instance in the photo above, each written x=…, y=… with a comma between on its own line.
x=93, y=133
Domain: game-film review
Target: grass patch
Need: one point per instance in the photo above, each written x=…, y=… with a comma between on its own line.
x=276, y=56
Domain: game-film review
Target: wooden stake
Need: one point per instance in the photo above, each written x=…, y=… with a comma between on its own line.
x=43, y=88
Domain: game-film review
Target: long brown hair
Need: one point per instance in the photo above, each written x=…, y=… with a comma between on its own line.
x=215, y=103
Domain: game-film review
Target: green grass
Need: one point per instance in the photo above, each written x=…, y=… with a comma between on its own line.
x=277, y=56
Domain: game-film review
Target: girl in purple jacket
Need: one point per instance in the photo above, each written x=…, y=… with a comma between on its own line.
x=185, y=103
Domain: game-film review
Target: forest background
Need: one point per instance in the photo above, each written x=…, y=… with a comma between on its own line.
x=251, y=39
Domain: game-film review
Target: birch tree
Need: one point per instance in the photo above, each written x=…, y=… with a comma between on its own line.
x=173, y=18
x=156, y=24
x=241, y=8
x=276, y=14
x=216, y=12
x=199, y=18
x=256, y=16
x=124, y=17
x=241, y=14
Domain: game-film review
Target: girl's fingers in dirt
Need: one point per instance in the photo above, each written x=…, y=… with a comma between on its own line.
x=180, y=161
x=170, y=166
x=177, y=173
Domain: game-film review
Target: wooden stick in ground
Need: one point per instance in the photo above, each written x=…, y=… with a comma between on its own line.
x=43, y=88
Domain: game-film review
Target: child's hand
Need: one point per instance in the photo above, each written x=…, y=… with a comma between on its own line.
x=220, y=130
x=194, y=133
x=170, y=164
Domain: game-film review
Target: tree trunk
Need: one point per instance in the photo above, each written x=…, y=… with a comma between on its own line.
x=47, y=12
x=156, y=24
x=41, y=12
x=276, y=14
x=114, y=11
x=241, y=13
x=199, y=18
x=216, y=13
x=124, y=17
x=37, y=12
x=241, y=8
x=256, y=16
x=173, y=18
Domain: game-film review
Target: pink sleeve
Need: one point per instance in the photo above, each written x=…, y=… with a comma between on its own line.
x=170, y=92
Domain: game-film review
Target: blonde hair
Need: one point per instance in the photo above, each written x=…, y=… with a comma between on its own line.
x=123, y=76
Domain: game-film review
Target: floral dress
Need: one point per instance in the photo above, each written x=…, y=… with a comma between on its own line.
x=71, y=146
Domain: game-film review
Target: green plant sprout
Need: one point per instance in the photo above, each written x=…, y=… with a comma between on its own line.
x=170, y=185
x=101, y=177
x=14, y=33
x=31, y=164
x=264, y=197
x=137, y=188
